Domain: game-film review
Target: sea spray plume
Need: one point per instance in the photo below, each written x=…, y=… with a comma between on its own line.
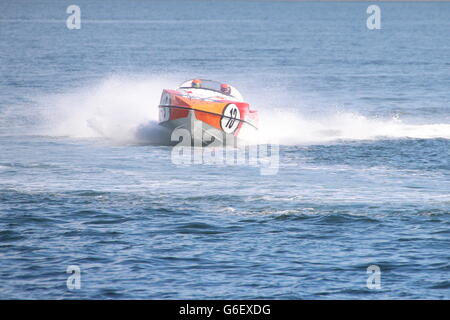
x=124, y=109
x=294, y=121
x=292, y=128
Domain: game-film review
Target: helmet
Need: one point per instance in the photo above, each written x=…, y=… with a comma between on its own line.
x=225, y=88
x=196, y=83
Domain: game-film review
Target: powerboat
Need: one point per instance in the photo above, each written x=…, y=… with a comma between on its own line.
x=207, y=111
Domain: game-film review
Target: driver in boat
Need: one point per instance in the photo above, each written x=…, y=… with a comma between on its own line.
x=225, y=88
x=196, y=83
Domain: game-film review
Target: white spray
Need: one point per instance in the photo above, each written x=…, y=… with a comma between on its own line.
x=124, y=109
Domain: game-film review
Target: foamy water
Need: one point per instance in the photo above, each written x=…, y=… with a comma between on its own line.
x=124, y=109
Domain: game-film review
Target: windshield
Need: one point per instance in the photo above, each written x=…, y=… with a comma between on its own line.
x=211, y=85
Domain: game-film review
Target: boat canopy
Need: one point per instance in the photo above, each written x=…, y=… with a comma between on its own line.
x=211, y=85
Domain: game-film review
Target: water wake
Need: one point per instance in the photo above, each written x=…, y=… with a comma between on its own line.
x=124, y=109
x=292, y=128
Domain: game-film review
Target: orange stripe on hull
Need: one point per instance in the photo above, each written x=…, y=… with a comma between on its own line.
x=211, y=111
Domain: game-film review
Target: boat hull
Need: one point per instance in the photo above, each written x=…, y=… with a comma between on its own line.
x=202, y=121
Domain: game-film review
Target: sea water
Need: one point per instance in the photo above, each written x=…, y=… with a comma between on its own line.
x=87, y=179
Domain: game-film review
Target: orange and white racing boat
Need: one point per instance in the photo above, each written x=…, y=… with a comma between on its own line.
x=207, y=110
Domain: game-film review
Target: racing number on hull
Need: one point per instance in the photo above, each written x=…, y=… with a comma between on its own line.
x=164, y=112
x=230, y=118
